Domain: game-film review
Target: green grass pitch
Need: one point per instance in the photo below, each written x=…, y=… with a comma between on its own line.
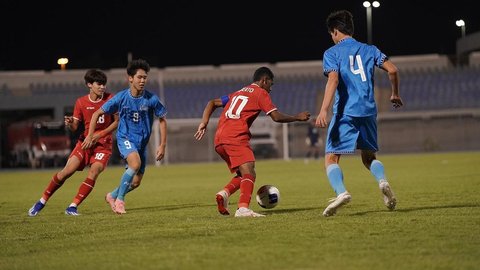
x=172, y=221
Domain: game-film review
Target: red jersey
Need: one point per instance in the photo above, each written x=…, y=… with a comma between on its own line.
x=240, y=111
x=83, y=111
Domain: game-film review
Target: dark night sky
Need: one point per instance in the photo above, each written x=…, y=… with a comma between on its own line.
x=99, y=34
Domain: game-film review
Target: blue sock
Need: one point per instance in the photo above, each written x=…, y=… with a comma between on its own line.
x=125, y=182
x=335, y=176
x=114, y=193
x=376, y=168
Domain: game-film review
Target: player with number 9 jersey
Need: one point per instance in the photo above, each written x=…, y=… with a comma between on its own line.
x=137, y=109
x=136, y=114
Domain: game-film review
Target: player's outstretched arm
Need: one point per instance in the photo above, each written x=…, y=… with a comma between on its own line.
x=392, y=70
x=207, y=112
x=280, y=117
x=71, y=123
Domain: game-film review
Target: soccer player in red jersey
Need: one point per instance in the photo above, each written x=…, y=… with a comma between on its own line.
x=232, y=138
x=96, y=157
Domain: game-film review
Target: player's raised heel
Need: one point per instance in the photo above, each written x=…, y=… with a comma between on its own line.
x=71, y=211
x=36, y=208
x=336, y=203
x=120, y=207
x=222, y=202
x=245, y=212
x=111, y=201
x=388, y=195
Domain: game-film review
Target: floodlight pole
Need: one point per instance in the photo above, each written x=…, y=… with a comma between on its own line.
x=368, y=7
x=461, y=23
x=369, y=24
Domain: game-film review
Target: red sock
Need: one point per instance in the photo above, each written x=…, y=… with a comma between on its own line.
x=246, y=189
x=233, y=185
x=54, y=184
x=85, y=189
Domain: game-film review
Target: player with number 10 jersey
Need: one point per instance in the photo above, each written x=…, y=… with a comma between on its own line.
x=232, y=138
x=241, y=108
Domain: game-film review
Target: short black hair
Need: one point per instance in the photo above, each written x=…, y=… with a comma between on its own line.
x=341, y=20
x=95, y=75
x=261, y=72
x=137, y=64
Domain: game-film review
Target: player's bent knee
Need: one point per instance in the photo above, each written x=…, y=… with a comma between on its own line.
x=135, y=185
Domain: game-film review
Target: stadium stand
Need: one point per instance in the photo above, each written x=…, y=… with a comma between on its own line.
x=4, y=92
x=438, y=96
x=439, y=88
x=432, y=85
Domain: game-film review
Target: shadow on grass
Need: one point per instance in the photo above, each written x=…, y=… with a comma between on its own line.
x=171, y=207
x=164, y=207
x=420, y=208
x=290, y=210
x=191, y=205
x=185, y=206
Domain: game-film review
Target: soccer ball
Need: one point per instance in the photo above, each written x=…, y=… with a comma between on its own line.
x=268, y=196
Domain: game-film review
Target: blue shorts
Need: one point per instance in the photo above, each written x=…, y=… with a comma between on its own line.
x=125, y=147
x=347, y=133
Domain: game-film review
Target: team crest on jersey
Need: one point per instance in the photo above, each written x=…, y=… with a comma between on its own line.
x=143, y=108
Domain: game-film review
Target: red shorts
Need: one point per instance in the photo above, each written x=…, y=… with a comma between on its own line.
x=235, y=155
x=89, y=156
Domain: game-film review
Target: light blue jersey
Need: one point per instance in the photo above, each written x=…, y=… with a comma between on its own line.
x=355, y=63
x=136, y=115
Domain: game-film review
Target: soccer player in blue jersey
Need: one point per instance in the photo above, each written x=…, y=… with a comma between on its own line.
x=137, y=109
x=350, y=66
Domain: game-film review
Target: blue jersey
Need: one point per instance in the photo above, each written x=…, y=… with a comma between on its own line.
x=355, y=64
x=136, y=114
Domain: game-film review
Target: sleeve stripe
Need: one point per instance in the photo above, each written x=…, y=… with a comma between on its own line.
x=274, y=109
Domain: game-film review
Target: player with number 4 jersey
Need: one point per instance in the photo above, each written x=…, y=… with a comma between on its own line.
x=350, y=68
x=232, y=139
x=97, y=156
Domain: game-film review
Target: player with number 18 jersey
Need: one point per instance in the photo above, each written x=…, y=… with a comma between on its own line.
x=101, y=152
